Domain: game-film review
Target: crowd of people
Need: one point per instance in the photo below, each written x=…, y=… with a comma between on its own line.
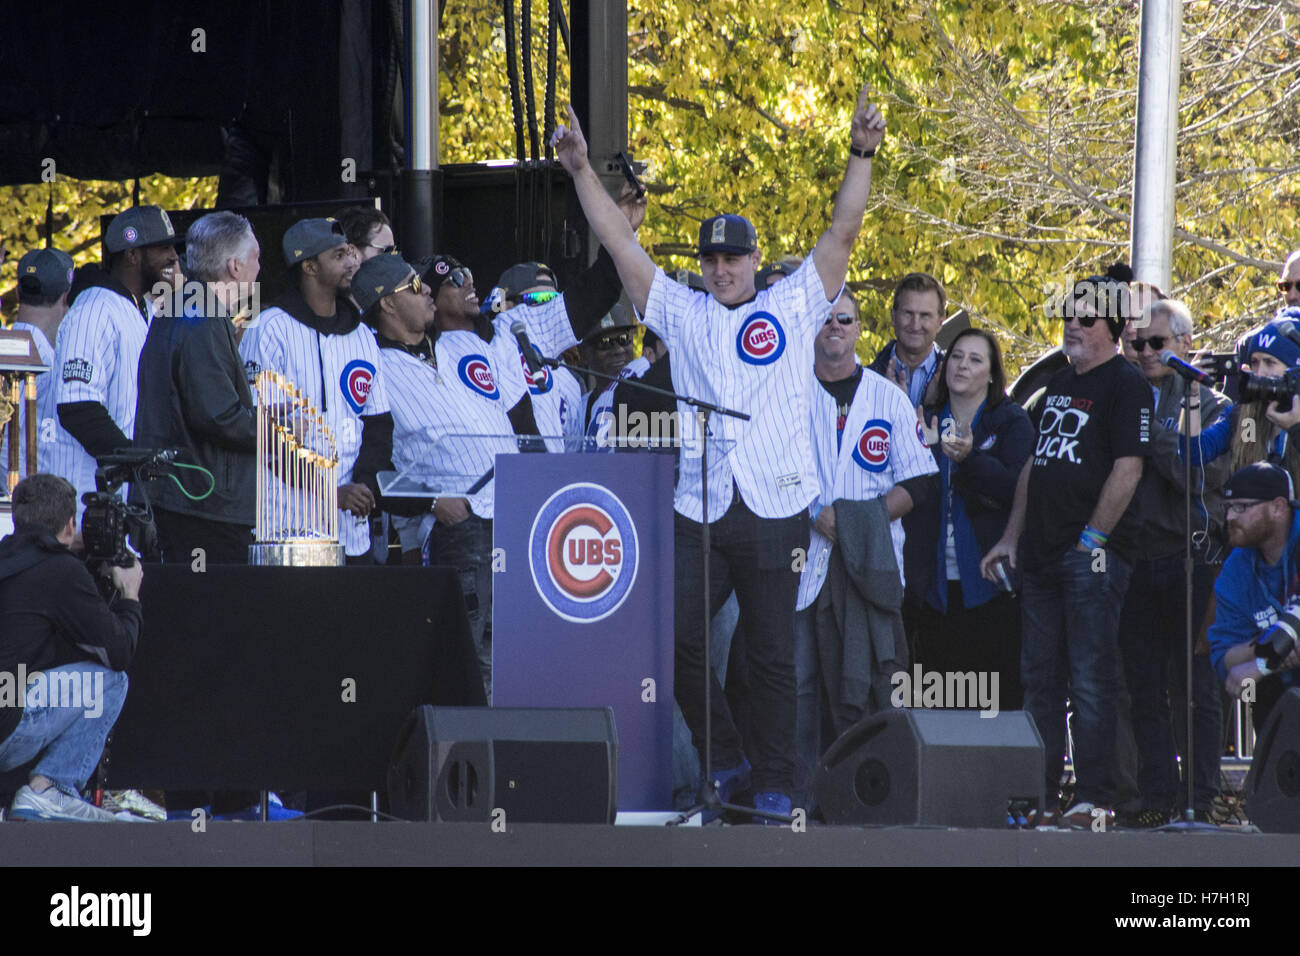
x=867, y=520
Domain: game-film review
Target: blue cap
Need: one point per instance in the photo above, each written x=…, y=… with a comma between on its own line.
x=379, y=276
x=45, y=272
x=308, y=238
x=729, y=233
x=1272, y=341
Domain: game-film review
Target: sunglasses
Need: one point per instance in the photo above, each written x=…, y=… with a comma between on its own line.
x=540, y=297
x=384, y=249
x=1288, y=286
x=843, y=318
x=458, y=277
x=415, y=285
x=619, y=340
x=1157, y=342
x=1240, y=507
x=1085, y=321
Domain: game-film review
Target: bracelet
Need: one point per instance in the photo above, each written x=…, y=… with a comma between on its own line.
x=1092, y=539
x=861, y=153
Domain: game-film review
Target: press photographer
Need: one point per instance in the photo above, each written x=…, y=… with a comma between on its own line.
x=64, y=651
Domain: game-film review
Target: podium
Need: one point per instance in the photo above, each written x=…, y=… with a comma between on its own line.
x=582, y=609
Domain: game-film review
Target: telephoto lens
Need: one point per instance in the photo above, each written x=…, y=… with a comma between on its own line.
x=1275, y=644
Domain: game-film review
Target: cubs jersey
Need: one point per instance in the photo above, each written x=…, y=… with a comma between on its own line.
x=755, y=358
x=601, y=421
x=555, y=393
x=882, y=445
x=45, y=411
x=338, y=375
x=96, y=359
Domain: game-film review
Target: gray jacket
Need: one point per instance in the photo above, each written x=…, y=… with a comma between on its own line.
x=857, y=622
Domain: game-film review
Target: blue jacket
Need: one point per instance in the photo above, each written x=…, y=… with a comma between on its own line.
x=1248, y=595
x=981, y=490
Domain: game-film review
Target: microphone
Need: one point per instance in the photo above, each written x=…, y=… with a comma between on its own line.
x=1190, y=372
x=520, y=332
x=1290, y=331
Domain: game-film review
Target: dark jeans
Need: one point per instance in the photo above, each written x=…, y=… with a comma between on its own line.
x=1152, y=634
x=1070, y=616
x=984, y=638
x=754, y=557
x=222, y=541
x=467, y=547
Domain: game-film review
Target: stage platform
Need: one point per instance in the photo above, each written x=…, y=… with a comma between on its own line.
x=333, y=844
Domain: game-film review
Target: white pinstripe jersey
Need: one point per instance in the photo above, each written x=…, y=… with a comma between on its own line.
x=430, y=408
x=96, y=359
x=45, y=411
x=756, y=358
x=555, y=394
x=339, y=375
x=882, y=446
x=602, y=417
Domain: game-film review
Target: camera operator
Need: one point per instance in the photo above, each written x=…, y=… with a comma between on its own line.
x=58, y=636
x=1252, y=640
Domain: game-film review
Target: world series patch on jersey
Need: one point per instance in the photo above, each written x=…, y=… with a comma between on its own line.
x=338, y=375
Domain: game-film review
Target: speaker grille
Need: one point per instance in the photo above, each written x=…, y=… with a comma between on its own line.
x=872, y=782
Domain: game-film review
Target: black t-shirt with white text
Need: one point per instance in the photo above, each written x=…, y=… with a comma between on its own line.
x=1086, y=422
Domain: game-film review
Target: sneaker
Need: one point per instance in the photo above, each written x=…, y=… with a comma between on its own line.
x=275, y=811
x=731, y=781
x=1148, y=819
x=1043, y=819
x=133, y=805
x=770, y=801
x=1081, y=816
x=55, y=804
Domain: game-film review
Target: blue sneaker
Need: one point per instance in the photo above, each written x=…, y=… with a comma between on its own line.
x=275, y=811
x=732, y=781
x=771, y=801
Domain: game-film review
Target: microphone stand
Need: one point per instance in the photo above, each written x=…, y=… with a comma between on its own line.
x=708, y=798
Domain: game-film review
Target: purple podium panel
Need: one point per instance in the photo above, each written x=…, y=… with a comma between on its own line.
x=582, y=607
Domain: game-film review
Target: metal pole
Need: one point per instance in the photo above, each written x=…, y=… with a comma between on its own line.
x=1156, y=150
x=420, y=210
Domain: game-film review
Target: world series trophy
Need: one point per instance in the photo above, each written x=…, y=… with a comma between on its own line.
x=20, y=363
x=297, y=480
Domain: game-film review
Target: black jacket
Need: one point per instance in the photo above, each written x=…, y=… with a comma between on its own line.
x=51, y=614
x=986, y=480
x=194, y=396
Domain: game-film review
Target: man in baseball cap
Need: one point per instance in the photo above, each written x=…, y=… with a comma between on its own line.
x=140, y=227
x=44, y=277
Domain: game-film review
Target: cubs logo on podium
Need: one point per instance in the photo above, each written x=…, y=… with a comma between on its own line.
x=872, y=448
x=761, y=339
x=476, y=373
x=357, y=377
x=583, y=553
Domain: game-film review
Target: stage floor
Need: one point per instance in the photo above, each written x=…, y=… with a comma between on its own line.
x=329, y=844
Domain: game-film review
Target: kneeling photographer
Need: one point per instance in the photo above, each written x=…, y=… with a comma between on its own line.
x=1253, y=638
x=64, y=649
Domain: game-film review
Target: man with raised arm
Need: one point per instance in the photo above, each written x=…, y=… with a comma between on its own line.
x=751, y=351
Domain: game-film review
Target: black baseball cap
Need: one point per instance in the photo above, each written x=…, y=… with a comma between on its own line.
x=525, y=275
x=616, y=318
x=308, y=238
x=138, y=227
x=377, y=277
x=773, y=269
x=1263, y=482
x=692, y=280
x=45, y=272
x=728, y=233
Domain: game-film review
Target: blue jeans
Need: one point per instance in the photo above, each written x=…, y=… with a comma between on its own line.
x=67, y=734
x=808, y=710
x=1071, y=620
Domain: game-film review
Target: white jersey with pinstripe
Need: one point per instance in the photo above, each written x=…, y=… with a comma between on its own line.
x=602, y=418
x=338, y=374
x=96, y=359
x=755, y=358
x=882, y=445
x=554, y=392
x=45, y=411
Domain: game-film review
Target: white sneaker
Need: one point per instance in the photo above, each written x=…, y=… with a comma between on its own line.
x=54, y=804
x=133, y=805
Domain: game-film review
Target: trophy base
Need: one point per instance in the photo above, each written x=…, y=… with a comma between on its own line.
x=296, y=553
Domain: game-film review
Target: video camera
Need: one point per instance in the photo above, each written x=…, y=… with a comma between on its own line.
x=1251, y=387
x=114, y=532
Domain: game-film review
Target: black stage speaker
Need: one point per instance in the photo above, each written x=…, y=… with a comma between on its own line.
x=1273, y=784
x=932, y=767
x=539, y=765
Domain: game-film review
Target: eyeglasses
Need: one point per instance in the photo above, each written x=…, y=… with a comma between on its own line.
x=415, y=285
x=540, y=297
x=1157, y=342
x=843, y=318
x=1238, y=507
x=1288, y=286
x=458, y=277
x=1085, y=321
x=618, y=340
x=384, y=249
